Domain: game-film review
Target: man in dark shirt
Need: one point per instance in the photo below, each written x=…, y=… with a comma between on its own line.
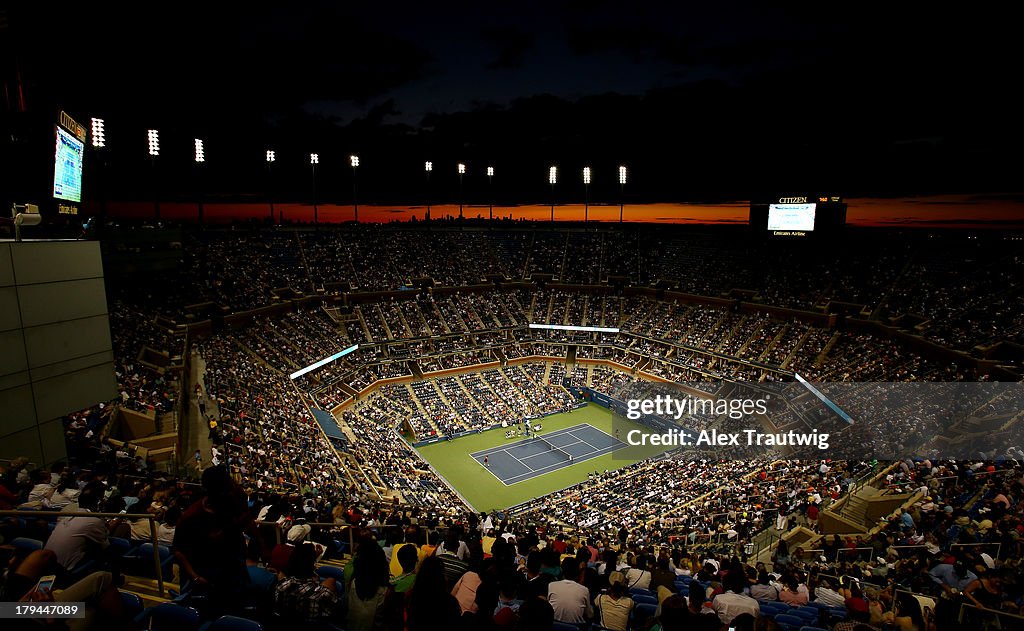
x=209, y=542
x=536, y=581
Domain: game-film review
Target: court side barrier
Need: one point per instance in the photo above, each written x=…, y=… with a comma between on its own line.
x=54, y=515
x=479, y=430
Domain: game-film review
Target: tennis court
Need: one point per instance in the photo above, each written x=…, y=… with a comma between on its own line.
x=531, y=457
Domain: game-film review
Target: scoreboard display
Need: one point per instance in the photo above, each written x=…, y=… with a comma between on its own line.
x=799, y=216
x=67, y=166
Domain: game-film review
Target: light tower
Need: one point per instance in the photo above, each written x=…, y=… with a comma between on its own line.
x=200, y=157
x=428, y=166
x=462, y=171
x=153, y=139
x=622, y=190
x=314, y=159
x=354, y=161
x=271, y=157
x=99, y=141
x=490, y=189
x=586, y=193
x=552, y=180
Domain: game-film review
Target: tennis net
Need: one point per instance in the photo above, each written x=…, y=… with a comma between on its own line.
x=558, y=450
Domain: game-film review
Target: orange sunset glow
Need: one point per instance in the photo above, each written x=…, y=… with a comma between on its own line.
x=961, y=211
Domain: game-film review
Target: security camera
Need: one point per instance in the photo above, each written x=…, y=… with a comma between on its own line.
x=24, y=215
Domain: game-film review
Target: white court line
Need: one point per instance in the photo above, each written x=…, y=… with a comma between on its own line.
x=491, y=471
x=559, y=465
x=500, y=448
x=541, y=453
x=580, y=440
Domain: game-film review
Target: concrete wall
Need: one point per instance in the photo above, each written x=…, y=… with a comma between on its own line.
x=55, y=349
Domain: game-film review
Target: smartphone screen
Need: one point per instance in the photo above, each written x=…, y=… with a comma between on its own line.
x=46, y=583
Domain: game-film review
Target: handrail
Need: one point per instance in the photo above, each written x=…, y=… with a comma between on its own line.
x=992, y=612
x=857, y=485
x=351, y=530
x=999, y=547
x=28, y=465
x=853, y=553
x=60, y=514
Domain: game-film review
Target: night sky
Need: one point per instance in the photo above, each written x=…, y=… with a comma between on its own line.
x=704, y=102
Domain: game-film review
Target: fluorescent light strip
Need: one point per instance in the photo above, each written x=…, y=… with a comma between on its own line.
x=323, y=362
x=563, y=327
x=835, y=408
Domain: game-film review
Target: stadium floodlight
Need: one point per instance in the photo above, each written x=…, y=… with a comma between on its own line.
x=200, y=157
x=490, y=186
x=271, y=157
x=153, y=139
x=586, y=194
x=99, y=137
x=428, y=166
x=462, y=171
x=354, y=161
x=622, y=190
x=314, y=159
x=552, y=180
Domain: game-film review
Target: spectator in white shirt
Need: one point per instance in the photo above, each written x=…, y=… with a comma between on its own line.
x=733, y=602
x=78, y=539
x=825, y=595
x=569, y=599
x=639, y=577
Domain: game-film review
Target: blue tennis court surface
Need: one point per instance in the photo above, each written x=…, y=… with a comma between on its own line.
x=530, y=457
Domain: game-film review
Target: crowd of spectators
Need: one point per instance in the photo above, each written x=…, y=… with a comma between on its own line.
x=955, y=289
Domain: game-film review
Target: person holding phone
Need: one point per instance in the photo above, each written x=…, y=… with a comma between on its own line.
x=30, y=581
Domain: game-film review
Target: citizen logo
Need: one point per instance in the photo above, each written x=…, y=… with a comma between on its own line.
x=792, y=200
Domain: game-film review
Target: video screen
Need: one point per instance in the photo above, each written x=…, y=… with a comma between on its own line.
x=799, y=217
x=67, y=168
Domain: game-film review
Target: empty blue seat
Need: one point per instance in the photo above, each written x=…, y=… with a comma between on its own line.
x=119, y=546
x=789, y=622
x=132, y=603
x=234, y=623
x=141, y=560
x=168, y=617
x=644, y=611
x=639, y=591
x=837, y=613
x=642, y=599
x=806, y=612
x=24, y=545
x=331, y=571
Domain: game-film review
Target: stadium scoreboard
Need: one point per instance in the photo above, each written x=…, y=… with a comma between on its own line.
x=67, y=165
x=800, y=216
